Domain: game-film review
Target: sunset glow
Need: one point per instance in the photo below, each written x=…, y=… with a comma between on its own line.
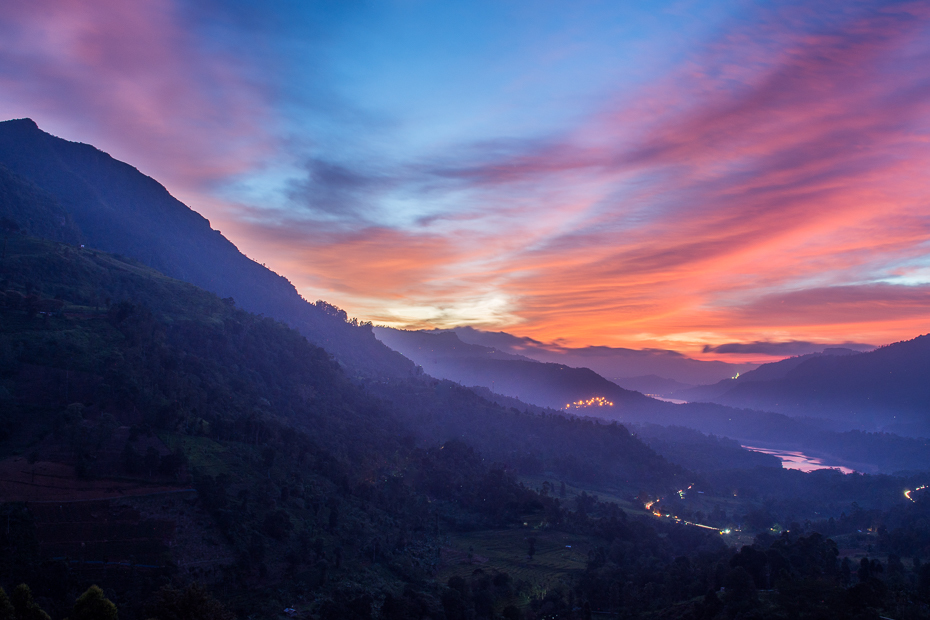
x=709, y=178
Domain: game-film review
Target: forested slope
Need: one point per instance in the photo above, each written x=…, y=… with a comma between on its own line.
x=113, y=207
x=117, y=382
x=884, y=389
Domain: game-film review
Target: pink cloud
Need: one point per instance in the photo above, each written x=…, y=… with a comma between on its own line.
x=792, y=160
x=755, y=194
x=131, y=76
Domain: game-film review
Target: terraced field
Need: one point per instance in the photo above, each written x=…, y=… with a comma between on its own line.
x=203, y=454
x=41, y=481
x=559, y=556
x=572, y=491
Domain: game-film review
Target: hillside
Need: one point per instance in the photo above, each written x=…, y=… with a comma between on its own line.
x=155, y=434
x=444, y=355
x=607, y=361
x=113, y=207
x=550, y=385
x=766, y=372
x=884, y=389
x=28, y=209
x=186, y=419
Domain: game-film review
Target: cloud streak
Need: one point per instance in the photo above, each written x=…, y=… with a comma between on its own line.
x=806, y=173
x=768, y=187
x=775, y=167
x=133, y=77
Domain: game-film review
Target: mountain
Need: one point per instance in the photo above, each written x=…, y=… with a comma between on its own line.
x=26, y=208
x=651, y=384
x=111, y=206
x=766, y=372
x=153, y=433
x=444, y=355
x=551, y=385
x=180, y=360
x=114, y=207
x=885, y=389
x=608, y=361
x=431, y=349
x=182, y=430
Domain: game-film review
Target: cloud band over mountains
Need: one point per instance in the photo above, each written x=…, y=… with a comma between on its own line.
x=780, y=349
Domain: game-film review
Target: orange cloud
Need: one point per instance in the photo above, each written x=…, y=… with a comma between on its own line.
x=773, y=188
x=803, y=178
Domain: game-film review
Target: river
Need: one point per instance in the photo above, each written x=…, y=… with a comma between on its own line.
x=799, y=460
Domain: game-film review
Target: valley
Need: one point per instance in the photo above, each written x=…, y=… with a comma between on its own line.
x=194, y=426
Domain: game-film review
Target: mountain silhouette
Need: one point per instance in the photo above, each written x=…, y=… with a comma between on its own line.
x=28, y=209
x=766, y=372
x=885, y=389
x=77, y=194
x=111, y=206
x=611, y=362
x=445, y=356
x=651, y=384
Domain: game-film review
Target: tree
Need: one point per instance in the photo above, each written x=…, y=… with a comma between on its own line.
x=25, y=608
x=6, y=608
x=93, y=605
x=152, y=460
x=333, y=515
x=192, y=603
x=512, y=613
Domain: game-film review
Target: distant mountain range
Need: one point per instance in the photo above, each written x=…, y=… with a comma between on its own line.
x=766, y=372
x=612, y=362
x=74, y=193
x=445, y=356
x=652, y=384
x=885, y=389
x=67, y=191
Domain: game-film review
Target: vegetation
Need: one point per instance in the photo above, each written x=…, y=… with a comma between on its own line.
x=200, y=443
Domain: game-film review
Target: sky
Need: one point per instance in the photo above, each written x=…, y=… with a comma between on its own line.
x=727, y=179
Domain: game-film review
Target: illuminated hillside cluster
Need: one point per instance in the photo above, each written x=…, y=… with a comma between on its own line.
x=909, y=494
x=596, y=401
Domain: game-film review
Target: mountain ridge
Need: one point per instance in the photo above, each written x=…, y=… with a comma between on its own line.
x=883, y=389
x=546, y=384
x=608, y=361
x=119, y=209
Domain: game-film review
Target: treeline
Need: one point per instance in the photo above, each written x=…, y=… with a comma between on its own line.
x=315, y=479
x=586, y=451
x=331, y=494
x=698, y=452
x=191, y=603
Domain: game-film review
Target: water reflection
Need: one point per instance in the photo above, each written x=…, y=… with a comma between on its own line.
x=799, y=460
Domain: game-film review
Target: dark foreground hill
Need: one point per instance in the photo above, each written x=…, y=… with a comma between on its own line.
x=885, y=389
x=75, y=193
x=67, y=191
x=217, y=439
x=155, y=434
x=166, y=436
